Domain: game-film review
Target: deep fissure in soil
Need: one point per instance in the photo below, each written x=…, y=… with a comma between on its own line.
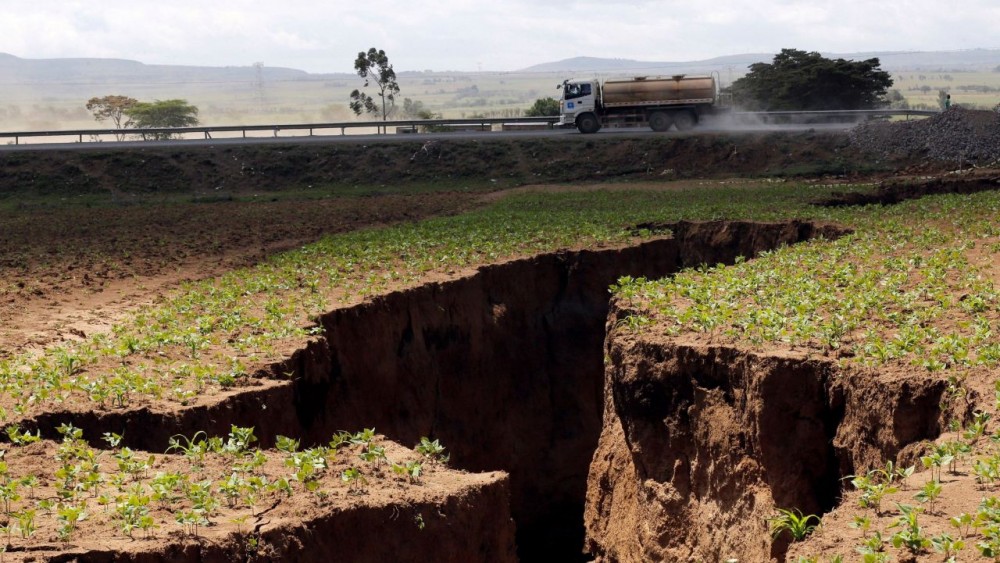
x=505, y=367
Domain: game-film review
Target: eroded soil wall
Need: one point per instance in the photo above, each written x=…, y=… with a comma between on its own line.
x=471, y=524
x=701, y=443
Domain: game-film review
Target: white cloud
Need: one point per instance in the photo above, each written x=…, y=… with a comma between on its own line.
x=466, y=34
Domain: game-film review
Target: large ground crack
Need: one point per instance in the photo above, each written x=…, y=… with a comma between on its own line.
x=505, y=367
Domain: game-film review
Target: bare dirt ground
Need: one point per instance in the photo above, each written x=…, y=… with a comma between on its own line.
x=68, y=272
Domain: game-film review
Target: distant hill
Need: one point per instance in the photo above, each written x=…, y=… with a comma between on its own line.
x=15, y=70
x=65, y=72
x=599, y=65
x=972, y=59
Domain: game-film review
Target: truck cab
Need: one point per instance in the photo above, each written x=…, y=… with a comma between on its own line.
x=579, y=102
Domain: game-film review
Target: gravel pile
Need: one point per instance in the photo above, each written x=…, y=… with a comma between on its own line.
x=960, y=135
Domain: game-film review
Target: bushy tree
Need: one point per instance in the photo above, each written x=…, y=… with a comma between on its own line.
x=163, y=113
x=896, y=100
x=114, y=108
x=797, y=80
x=543, y=107
x=416, y=110
x=374, y=67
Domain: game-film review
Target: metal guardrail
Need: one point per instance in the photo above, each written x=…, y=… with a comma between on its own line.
x=95, y=134
x=413, y=124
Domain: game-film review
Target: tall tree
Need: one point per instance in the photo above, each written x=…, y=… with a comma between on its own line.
x=163, y=113
x=797, y=80
x=115, y=108
x=374, y=67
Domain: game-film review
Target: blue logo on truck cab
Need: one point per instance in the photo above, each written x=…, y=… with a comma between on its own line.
x=570, y=105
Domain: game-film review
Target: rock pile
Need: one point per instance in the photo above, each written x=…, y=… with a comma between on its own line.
x=958, y=135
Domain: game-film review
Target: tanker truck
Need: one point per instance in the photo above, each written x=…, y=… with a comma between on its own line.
x=661, y=102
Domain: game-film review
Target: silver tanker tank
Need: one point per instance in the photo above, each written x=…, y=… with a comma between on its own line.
x=659, y=90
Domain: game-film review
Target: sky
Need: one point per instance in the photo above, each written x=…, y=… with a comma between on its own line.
x=469, y=35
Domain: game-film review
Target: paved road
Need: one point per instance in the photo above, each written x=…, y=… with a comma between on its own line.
x=705, y=128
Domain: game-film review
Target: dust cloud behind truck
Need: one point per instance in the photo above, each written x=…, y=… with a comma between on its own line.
x=661, y=102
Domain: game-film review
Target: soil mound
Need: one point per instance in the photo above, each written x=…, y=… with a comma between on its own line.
x=957, y=135
x=227, y=171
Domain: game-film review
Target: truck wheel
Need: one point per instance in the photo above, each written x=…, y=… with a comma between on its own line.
x=660, y=121
x=588, y=123
x=685, y=120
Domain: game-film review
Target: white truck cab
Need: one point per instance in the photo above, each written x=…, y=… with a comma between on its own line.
x=579, y=98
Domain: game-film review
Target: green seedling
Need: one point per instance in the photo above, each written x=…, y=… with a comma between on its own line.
x=937, y=460
x=355, y=480
x=431, y=449
x=194, y=448
x=412, y=470
x=947, y=545
x=963, y=523
x=19, y=438
x=794, y=522
x=872, y=489
x=929, y=494
x=911, y=536
x=26, y=522
x=69, y=516
x=862, y=523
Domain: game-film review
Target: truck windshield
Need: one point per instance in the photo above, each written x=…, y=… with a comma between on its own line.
x=576, y=91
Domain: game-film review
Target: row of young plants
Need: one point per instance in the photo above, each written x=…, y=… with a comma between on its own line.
x=201, y=485
x=913, y=285
x=903, y=520
x=214, y=334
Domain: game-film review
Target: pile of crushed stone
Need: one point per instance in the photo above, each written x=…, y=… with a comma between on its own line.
x=958, y=135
